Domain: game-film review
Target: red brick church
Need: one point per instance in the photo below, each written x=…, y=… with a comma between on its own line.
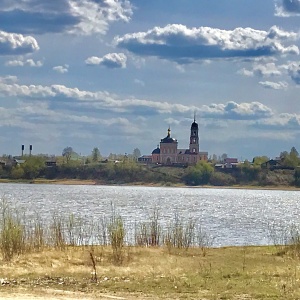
x=167, y=152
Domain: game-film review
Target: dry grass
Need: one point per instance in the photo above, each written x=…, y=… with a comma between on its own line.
x=224, y=273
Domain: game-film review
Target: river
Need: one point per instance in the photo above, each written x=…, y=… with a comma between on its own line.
x=233, y=217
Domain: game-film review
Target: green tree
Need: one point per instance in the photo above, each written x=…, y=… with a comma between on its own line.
x=96, y=155
x=290, y=159
x=249, y=172
x=198, y=174
x=258, y=160
x=67, y=153
x=283, y=155
x=33, y=166
x=17, y=172
x=294, y=152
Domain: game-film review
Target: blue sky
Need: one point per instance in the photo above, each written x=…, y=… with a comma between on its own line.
x=115, y=74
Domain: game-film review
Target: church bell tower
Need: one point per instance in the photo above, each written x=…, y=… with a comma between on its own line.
x=194, y=138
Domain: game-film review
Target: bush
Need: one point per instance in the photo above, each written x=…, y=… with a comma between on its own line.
x=222, y=179
x=277, y=177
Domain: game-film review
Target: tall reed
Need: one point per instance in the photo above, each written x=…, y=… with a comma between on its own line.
x=57, y=232
x=149, y=233
x=12, y=232
x=180, y=234
x=116, y=231
x=18, y=234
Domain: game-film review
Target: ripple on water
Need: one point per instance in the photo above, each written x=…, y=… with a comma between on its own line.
x=232, y=216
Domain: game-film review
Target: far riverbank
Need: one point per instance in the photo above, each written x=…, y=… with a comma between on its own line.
x=97, y=182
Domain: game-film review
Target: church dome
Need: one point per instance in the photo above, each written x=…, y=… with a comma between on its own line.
x=156, y=151
x=168, y=138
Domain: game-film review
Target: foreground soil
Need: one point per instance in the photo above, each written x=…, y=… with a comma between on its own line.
x=153, y=273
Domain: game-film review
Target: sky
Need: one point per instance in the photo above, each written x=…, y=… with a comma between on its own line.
x=116, y=74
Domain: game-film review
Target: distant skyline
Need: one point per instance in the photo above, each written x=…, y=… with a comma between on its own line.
x=115, y=74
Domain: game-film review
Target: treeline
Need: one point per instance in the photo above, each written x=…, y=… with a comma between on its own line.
x=126, y=171
x=287, y=173
x=131, y=172
x=244, y=174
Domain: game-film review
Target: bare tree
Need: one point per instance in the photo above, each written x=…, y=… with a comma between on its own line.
x=136, y=153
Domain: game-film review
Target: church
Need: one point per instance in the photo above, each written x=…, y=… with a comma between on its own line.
x=167, y=153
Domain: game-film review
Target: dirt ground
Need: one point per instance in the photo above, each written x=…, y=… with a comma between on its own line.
x=51, y=294
x=56, y=294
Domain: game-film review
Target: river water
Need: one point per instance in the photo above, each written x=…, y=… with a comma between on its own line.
x=230, y=216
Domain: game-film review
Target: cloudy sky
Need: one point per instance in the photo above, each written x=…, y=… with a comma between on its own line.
x=115, y=74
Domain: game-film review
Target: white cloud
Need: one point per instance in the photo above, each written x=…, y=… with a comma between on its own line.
x=93, y=60
x=283, y=121
x=236, y=111
x=172, y=121
x=23, y=63
x=15, y=44
x=104, y=100
x=293, y=69
x=83, y=17
x=287, y=8
x=15, y=90
x=8, y=79
x=274, y=85
x=110, y=60
x=26, y=115
x=264, y=70
x=96, y=16
x=139, y=82
x=61, y=69
x=185, y=45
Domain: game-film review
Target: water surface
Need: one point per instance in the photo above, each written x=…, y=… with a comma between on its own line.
x=231, y=216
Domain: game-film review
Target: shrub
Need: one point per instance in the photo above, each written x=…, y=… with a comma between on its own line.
x=222, y=179
x=277, y=177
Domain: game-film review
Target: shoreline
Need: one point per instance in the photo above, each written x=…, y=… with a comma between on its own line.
x=96, y=182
